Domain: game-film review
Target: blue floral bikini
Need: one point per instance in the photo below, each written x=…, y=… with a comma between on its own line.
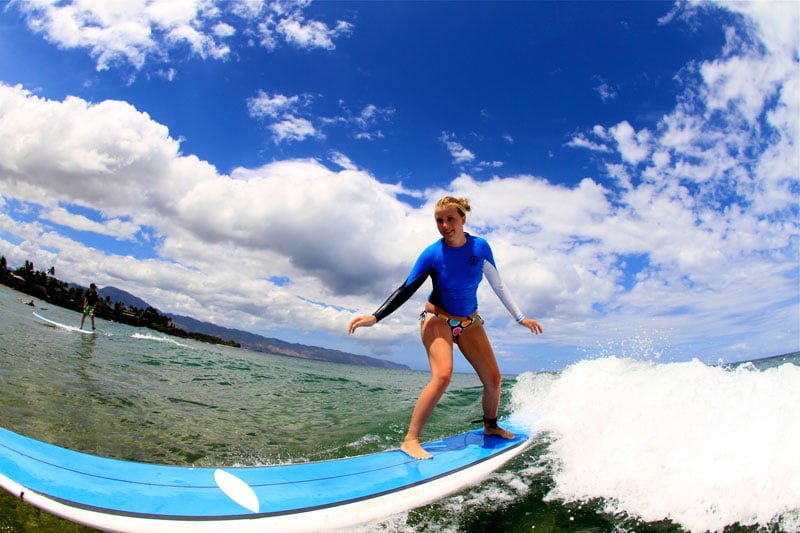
x=457, y=326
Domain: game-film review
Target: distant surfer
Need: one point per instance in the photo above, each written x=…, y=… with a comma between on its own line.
x=89, y=302
x=456, y=265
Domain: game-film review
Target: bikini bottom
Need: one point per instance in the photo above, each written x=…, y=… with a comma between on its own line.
x=457, y=326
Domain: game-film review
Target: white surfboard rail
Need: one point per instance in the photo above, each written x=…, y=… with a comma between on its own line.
x=62, y=326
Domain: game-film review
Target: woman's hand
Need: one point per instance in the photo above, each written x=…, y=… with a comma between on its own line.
x=532, y=325
x=361, y=321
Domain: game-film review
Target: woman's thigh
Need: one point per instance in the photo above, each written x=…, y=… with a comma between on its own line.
x=474, y=344
x=438, y=341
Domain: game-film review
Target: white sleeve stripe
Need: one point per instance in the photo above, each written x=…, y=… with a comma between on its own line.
x=493, y=276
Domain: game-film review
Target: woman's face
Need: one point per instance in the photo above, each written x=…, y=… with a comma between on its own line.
x=450, y=224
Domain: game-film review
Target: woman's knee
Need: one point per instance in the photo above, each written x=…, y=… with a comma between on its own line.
x=441, y=380
x=492, y=380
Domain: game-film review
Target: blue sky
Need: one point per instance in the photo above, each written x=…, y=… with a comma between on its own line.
x=271, y=166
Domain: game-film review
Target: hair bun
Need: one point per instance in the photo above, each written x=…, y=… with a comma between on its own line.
x=462, y=204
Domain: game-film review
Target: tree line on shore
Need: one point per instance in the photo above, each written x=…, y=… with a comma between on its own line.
x=45, y=286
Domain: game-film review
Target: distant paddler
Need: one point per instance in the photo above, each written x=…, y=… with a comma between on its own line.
x=89, y=303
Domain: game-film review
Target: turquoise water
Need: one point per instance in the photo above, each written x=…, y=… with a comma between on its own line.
x=624, y=445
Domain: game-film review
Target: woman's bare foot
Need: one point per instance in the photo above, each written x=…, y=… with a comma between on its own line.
x=413, y=448
x=497, y=430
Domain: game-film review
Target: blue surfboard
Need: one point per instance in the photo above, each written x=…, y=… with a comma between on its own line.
x=115, y=495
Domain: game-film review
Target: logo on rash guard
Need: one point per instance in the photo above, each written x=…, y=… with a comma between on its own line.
x=473, y=260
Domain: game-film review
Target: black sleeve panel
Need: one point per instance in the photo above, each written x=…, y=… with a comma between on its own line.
x=399, y=297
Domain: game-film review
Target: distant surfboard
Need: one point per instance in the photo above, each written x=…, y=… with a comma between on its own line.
x=60, y=325
x=116, y=495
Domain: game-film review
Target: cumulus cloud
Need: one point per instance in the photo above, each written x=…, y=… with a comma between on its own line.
x=110, y=157
x=73, y=151
x=311, y=34
x=117, y=33
x=632, y=146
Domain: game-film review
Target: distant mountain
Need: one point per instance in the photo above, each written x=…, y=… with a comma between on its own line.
x=258, y=343
x=251, y=341
x=118, y=295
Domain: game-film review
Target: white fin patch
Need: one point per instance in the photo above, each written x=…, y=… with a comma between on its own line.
x=237, y=490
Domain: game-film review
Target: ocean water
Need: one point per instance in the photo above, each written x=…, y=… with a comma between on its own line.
x=623, y=444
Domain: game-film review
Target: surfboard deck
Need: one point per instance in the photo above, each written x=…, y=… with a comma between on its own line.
x=115, y=495
x=62, y=326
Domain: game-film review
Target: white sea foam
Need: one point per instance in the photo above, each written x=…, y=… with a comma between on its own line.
x=702, y=446
x=157, y=339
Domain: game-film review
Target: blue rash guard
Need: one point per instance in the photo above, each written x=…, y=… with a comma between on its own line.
x=456, y=273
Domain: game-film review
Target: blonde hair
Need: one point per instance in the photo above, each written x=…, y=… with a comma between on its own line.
x=462, y=204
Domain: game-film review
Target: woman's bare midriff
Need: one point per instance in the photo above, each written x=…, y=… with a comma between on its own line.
x=429, y=307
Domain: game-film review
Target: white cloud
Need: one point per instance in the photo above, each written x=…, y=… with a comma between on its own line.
x=366, y=123
x=370, y=115
x=74, y=151
x=580, y=141
x=273, y=106
x=292, y=128
x=136, y=32
x=606, y=91
x=282, y=111
x=458, y=152
x=776, y=26
x=311, y=34
x=223, y=30
x=117, y=228
x=290, y=118
x=343, y=161
x=633, y=146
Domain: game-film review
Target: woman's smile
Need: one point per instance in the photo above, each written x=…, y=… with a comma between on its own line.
x=450, y=223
